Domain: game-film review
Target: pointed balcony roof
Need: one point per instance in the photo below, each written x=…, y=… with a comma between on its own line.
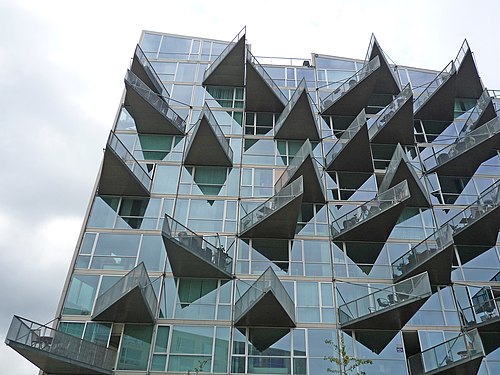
x=298, y=120
x=437, y=101
x=131, y=299
x=353, y=94
x=469, y=83
x=387, y=81
x=56, y=352
x=228, y=69
x=262, y=93
x=389, y=308
x=143, y=69
x=433, y=255
x=190, y=255
x=303, y=164
x=352, y=151
x=151, y=113
x=400, y=169
x=374, y=220
x=265, y=304
x=467, y=153
x=478, y=223
x=207, y=144
x=395, y=122
x=483, y=111
x=458, y=356
x=121, y=173
x=276, y=217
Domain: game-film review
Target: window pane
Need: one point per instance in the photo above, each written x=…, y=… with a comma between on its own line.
x=135, y=345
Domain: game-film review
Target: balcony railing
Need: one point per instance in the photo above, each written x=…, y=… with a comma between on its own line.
x=143, y=60
x=136, y=278
x=350, y=83
x=388, y=112
x=460, y=349
x=370, y=209
x=482, y=313
x=391, y=297
x=197, y=245
x=267, y=282
x=463, y=144
x=464, y=48
x=373, y=42
x=476, y=113
x=419, y=254
x=266, y=77
x=155, y=101
x=128, y=159
x=346, y=137
x=48, y=348
x=435, y=84
x=273, y=204
x=224, y=53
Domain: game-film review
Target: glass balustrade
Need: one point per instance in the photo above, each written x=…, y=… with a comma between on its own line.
x=150, y=71
x=462, y=144
x=464, y=48
x=483, y=313
x=404, y=292
x=462, y=348
x=50, y=349
x=476, y=113
x=432, y=87
x=155, y=101
x=291, y=104
x=368, y=210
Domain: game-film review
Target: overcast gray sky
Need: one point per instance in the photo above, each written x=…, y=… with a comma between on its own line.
x=61, y=77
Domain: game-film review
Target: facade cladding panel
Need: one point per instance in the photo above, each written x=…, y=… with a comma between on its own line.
x=216, y=245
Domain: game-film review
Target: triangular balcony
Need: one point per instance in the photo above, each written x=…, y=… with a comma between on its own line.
x=461, y=355
x=467, y=153
x=190, y=255
x=437, y=101
x=151, y=113
x=352, y=151
x=469, y=83
x=276, y=217
x=353, y=95
x=434, y=255
x=56, y=352
x=228, y=69
x=395, y=123
x=265, y=304
x=298, y=119
x=131, y=299
x=484, y=313
x=401, y=169
x=387, y=81
x=483, y=111
x=207, y=144
x=389, y=308
x=143, y=69
x=121, y=173
x=374, y=220
x=303, y=164
x=262, y=93
x=478, y=223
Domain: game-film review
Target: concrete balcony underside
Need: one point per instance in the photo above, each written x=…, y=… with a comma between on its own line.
x=490, y=340
x=266, y=312
x=300, y=123
x=480, y=232
x=51, y=363
x=468, y=81
x=386, y=82
x=399, y=128
x=354, y=100
x=147, y=118
x=374, y=339
x=230, y=71
x=205, y=148
x=263, y=338
x=260, y=97
x=464, y=367
x=355, y=155
x=441, y=103
x=145, y=72
x=313, y=187
x=117, y=179
x=486, y=115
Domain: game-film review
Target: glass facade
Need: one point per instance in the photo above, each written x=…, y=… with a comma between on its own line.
x=302, y=229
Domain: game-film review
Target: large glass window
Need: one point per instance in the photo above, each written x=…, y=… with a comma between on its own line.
x=134, y=351
x=81, y=294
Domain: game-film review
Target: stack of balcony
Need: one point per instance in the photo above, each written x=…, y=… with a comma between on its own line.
x=207, y=144
x=121, y=173
x=131, y=299
x=190, y=255
x=56, y=352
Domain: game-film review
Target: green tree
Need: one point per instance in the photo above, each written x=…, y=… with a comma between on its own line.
x=346, y=363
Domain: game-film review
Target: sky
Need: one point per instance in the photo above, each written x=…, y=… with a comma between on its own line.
x=62, y=65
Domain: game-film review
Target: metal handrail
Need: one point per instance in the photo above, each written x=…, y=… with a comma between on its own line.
x=434, y=85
